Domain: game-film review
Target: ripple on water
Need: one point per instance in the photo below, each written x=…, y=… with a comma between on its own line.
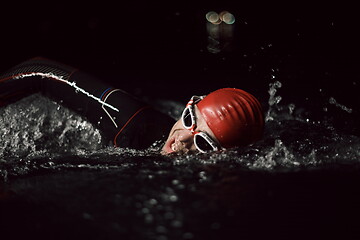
x=40, y=135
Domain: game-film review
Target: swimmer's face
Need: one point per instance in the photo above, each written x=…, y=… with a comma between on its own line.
x=181, y=140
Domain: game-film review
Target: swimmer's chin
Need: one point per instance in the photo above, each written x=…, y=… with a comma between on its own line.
x=170, y=148
x=168, y=151
x=164, y=152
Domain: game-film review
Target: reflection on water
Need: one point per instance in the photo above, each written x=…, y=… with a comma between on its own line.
x=220, y=31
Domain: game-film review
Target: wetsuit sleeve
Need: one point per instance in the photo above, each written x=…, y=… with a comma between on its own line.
x=124, y=120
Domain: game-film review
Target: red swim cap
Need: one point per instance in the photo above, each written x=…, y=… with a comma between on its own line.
x=234, y=116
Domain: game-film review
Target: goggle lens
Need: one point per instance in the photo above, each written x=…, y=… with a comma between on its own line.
x=202, y=144
x=186, y=118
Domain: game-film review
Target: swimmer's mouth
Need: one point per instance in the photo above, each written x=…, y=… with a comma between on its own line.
x=169, y=147
x=173, y=146
x=178, y=147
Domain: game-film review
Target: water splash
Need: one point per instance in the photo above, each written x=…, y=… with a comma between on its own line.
x=273, y=101
x=36, y=126
x=39, y=135
x=277, y=111
x=278, y=155
x=342, y=107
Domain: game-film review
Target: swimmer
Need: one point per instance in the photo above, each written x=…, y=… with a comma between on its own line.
x=225, y=118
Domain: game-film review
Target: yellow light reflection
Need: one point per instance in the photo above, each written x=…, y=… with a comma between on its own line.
x=228, y=18
x=213, y=17
x=224, y=16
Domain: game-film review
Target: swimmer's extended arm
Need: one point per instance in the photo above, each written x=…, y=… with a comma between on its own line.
x=54, y=80
x=124, y=120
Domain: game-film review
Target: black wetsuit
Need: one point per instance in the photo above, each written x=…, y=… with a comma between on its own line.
x=122, y=119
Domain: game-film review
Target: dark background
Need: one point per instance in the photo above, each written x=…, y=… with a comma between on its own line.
x=158, y=49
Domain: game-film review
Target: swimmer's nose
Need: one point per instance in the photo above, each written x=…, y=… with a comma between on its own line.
x=187, y=138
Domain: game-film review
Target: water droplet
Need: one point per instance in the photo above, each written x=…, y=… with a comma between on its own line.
x=188, y=235
x=161, y=229
x=169, y=215
x=161, y=237
x=148, y=218
x=87, y=216
x=173, y=198
x=180, y=186
x=153, y=201
x=176, y=224
x=291, y=108
x=145, y=210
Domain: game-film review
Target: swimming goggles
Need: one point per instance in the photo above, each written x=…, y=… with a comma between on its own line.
x=202, y=140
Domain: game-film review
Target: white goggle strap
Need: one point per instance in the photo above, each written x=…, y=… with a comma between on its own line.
x=197, y=99
x=190, y=105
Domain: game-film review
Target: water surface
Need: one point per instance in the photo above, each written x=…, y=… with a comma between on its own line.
x=60, y=180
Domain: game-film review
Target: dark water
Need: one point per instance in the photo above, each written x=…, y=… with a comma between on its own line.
x=58, y=181
x=301, y=181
